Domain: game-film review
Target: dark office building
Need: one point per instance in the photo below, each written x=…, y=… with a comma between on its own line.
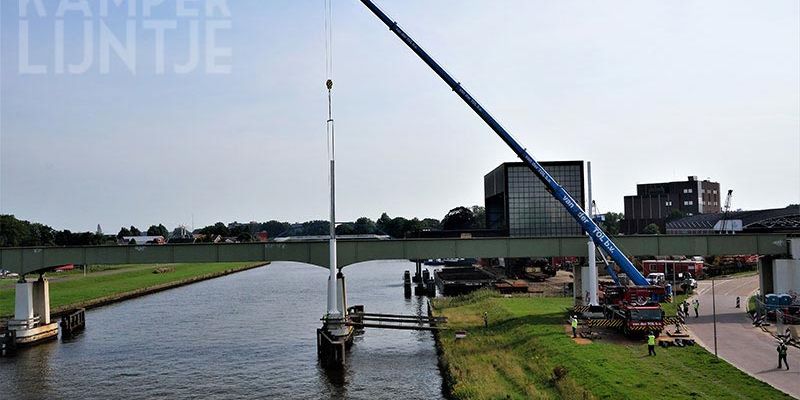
x=654, y=202
x=518, y=204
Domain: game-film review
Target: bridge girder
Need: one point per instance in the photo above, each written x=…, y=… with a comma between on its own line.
x=31, y=260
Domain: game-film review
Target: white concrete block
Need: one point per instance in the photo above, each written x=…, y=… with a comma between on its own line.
x=41, y=300
x=794, y=248
x=585, y=284
x=23, y=301
x=786, y=276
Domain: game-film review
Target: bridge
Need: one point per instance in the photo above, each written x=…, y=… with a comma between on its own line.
x=39, y=259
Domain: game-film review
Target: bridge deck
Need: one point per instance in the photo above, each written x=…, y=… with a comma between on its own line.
x=28, y=260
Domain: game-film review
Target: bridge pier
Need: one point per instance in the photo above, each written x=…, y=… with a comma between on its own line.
x=335, y=336
x=31, y=321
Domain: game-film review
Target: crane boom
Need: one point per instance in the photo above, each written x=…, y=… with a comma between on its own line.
x=595, y=232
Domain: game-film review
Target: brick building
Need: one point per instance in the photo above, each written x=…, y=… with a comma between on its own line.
x=655, y=202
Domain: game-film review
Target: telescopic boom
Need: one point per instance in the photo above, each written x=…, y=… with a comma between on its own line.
x=594, y=231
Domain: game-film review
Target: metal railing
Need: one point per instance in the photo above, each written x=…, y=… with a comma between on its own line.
x=21, y=324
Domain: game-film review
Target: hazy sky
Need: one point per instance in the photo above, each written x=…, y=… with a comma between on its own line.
x=648, y=91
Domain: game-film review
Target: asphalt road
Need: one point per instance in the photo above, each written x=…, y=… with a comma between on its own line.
x=738, y=342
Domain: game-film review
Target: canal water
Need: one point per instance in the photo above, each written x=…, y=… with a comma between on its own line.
x=246, y=335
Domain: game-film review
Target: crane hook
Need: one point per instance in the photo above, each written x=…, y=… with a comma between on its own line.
x=329, y=84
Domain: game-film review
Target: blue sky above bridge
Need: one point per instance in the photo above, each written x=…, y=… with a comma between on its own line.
x=648, y=91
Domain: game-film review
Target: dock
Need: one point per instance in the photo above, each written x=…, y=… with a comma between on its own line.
x=362, y=320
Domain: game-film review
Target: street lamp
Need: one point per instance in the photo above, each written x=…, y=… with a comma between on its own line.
x=714, y=312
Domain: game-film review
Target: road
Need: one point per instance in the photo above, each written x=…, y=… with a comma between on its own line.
x=738, y=342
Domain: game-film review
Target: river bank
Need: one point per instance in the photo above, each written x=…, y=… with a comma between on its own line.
x=121, y=283
x=527, y=353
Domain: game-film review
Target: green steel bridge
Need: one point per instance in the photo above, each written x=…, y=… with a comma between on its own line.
x=39, y=259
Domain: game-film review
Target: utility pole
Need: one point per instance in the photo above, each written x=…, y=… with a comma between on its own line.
x=714, y=312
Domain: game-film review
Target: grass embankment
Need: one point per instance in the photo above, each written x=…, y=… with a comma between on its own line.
x=671, y=309
x=105, y=284
x=526, y=341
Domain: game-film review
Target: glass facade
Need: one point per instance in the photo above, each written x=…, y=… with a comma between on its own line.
x=532, y=211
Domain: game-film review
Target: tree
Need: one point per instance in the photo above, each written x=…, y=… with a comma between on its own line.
x=479, y=212
x=40, y=235
x=123, y=232
x=432, y=224
x=275, y=228
x=158, y=230
x=459, y=218
x=383, y=222
x=651, y=229
x=675, y=215
x=612, y=222
x=217, y=229
x=135, y=232
x=13, y=232
x=244, y=237
x=364, y=226
x=63, y=238
x=345, y=229
x=315, y=228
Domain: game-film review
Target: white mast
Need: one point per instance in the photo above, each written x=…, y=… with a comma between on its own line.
x=592, y=278
x=333, y=311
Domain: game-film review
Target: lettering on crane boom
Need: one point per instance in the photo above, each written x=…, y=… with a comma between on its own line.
x=584, y=219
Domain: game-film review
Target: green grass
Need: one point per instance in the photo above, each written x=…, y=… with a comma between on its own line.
x=671, y=309
x=527, y=338
x=739, y=274
x=68, y=288
x=751, y=303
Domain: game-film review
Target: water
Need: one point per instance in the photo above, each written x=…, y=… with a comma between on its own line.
x=246, y=335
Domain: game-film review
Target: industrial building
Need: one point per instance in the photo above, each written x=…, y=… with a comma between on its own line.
x=518, y=203
x=775, y=220
x=655, y=202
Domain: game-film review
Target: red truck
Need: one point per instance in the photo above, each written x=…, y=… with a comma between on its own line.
x=637, y=307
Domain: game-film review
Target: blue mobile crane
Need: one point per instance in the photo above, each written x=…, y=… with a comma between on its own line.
x=595, y=232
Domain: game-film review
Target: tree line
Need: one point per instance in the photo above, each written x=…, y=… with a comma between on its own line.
x=20, y=233
x=16, y=233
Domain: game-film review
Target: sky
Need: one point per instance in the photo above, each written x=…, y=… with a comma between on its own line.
x=224, y=119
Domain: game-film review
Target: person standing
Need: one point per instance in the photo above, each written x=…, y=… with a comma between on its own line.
x=574, y=322
x=485, y=319
x=696, y=305
x=782, y=354
x=651, y=344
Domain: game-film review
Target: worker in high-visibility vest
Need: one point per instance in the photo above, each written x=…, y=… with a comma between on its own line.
x=574, y=326
x=651, y=344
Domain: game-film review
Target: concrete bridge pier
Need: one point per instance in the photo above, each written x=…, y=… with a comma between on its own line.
x=31, y=321
x=341, y=294
x=335, y=336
